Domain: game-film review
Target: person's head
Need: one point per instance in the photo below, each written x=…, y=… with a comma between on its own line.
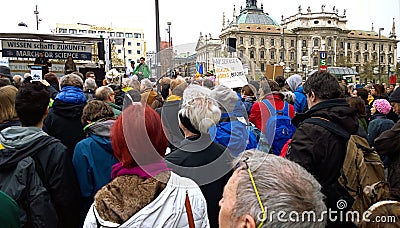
x=90, y=84
x=105, y=93
x=52, y=79
x=293, y=82
x=281, y=81
x=395, y=100
x=5, y=72
x=142, y=59
x=96, y=110
x=362, y=93
x=4, y=82
x=381, y=106
x=125, y=82
x=321, y=86
x=41, y=54
x=145, y=84
x=17, y=79
x=131, y=97
x=135, y=84
x=71, y=80
x=90, y=74
x=31, y=104
x=7, y=103
x=225, y=97
x=70, y=59
x=198, y=109
x=208, y=83
x=380, y=210
x=138, y=141
x=377, y=90
x=177, y=87
x=132, y=64
x=359, y=104
x=281, y=185
x=248, y=90
x=267, y=87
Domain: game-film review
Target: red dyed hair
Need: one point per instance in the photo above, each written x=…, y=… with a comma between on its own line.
x=137, y=136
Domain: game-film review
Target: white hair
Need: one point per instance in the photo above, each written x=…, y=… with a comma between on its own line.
x=90, y=83
x=201, y=109
x=283, y=185
x=146, y=83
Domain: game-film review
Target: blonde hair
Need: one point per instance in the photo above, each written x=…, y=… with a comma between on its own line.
x=7, y=103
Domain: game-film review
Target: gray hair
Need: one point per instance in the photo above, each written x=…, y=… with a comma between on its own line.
x=71, y=80
x=135, y=84
x=201, y=109
x=179, y=89
x=146, y=83
x=103, y=92
x=90, y=83
x=284, y=186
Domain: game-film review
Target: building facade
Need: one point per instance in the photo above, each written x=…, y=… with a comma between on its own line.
x=295, y=42
x=128, y=43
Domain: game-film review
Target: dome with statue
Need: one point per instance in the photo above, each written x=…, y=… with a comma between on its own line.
x=254, y=15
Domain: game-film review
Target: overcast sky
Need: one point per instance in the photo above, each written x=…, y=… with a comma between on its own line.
x=188, y=17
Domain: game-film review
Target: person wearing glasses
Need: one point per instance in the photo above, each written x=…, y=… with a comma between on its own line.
x=142, y=70
x=264, y=186
x=106, y=94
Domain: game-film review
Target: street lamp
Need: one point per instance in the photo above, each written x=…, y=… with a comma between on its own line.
x=36, y=12
x=206, y=56
x=169, y=34
x=379, y=55
x=158, y=40
x=187, y=64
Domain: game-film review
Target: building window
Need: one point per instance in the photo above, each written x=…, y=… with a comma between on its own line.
x=348, y=46
x=316, y=42
x=262, y=41
x=262, y=67
x=304, y=43
x=138, y=44
x=251, y=41
x=101, y=32
x=62, y=30
x=83, y=31
x=365, y=57
x=138, y=52
x=342, y=44
x=381, y=47
x=128, y=35
x=120, y=34
x=272, y=42
x=272, y=54
x=374, y=57
x=366, y=46
x=390, y=47
x=72, y=31
x=357, y=58
x=241, y=40
x=129, y=43
x=357, y=46
x=130, y=52
x=292, y=55
x=138, y=35
x=112, y=34
x=92, y=32
x=329, y=42
x=262, y=56
x=341, y=56
x=291, y=43
x=251, y=54
x=382, y=59
x=241, y=53
x=315, y=61
x=389, y=59
x=119, y=51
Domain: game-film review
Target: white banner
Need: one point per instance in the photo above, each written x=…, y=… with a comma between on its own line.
x=229, y=72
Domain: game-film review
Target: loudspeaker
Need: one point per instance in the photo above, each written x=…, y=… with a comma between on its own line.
x=100, y=50
x=231, y=44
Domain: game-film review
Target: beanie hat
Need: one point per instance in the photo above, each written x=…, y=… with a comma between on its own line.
x=395, y=97
x=294, y=81
x=225, y=97
x=382, y=106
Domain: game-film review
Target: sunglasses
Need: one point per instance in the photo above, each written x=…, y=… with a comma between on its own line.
x=256, y=191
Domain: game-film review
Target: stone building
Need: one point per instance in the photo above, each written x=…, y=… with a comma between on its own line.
x=295, y=42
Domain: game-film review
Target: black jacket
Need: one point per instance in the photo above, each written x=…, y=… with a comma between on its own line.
x=388, y=143
x=64, y=123
x=318, y=150
x=169, y=117
x=56, y=173
x=207, y=163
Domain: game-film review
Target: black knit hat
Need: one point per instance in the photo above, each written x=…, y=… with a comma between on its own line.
x=5, y=71
x=395, y=97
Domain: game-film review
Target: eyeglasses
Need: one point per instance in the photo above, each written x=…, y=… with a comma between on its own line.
x=257, y=194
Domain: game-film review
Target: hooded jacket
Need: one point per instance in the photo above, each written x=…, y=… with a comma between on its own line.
x=93, y=159
x=52, y=165
x=318, y=150
x=64, y=119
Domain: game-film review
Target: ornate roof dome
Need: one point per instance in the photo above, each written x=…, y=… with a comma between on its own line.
x=255, y=17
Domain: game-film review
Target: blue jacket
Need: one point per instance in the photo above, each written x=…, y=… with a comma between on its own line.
x=300, y=103
x=92, y=160
x=71, y=95
x=234, y=135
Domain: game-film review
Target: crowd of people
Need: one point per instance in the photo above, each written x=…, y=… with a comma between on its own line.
x=187, y=152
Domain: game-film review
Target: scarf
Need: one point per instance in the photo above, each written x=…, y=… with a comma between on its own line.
x=144, y=171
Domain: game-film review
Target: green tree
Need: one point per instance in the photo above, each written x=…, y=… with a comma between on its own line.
x=367, y=71
x=344, y=62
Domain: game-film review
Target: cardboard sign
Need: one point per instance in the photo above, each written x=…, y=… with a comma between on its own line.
x=229, y=72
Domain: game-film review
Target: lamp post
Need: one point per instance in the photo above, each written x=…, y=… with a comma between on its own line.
x=158, y=40
x=283, y=50
x=206, y=56
x=379, y=55
x=36, y=12
x=169, y=34
x=187, y=64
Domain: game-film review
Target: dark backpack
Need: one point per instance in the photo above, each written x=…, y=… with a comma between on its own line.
x=279, y=128
x=362, y=180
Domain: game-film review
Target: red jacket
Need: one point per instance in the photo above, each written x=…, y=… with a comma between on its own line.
x=259, y=117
